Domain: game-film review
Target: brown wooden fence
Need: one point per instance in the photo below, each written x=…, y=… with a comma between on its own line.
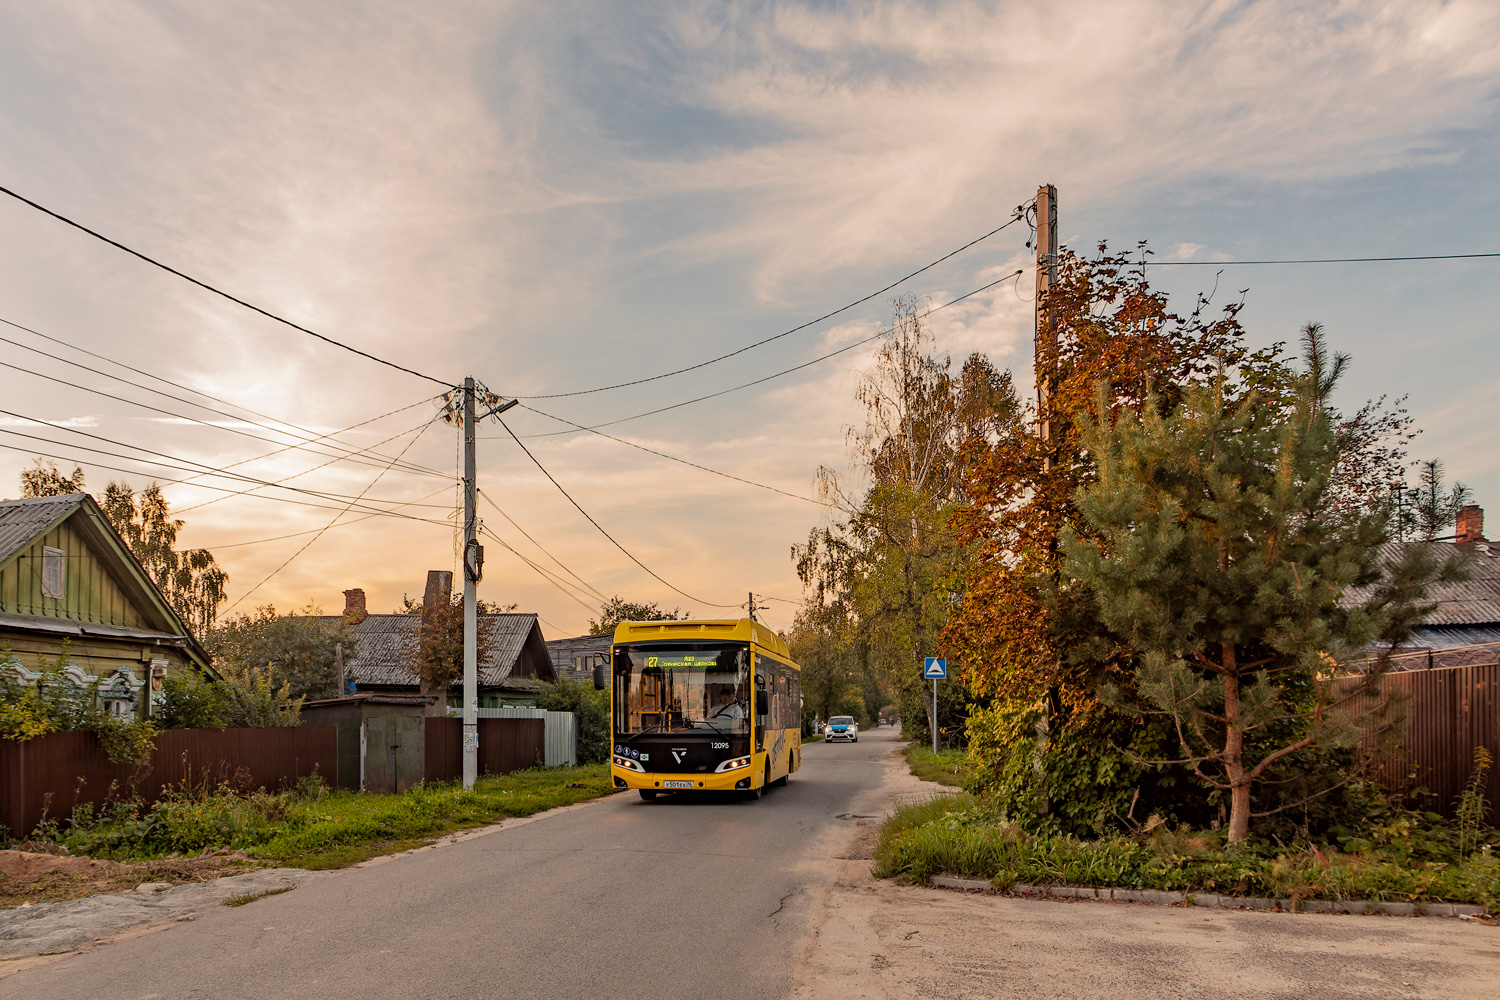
x=505, y=745
x=57, y=772
x=1440, y=715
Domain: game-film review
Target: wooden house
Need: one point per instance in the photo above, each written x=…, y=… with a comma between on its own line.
x=72, y=596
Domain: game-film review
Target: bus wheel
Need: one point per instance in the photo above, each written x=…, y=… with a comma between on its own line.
x=648, y=793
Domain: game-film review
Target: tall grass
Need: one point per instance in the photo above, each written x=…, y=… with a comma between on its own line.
x=311, y=827
x=956, y=835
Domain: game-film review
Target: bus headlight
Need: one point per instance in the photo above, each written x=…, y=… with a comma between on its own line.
x=629, y=765
x=732, y=765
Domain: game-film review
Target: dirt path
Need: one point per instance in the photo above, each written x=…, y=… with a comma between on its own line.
x=880, y=939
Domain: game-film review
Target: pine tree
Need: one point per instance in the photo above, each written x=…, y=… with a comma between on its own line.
x=1217, y=555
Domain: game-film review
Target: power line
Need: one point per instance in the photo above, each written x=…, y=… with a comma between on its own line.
x=767, y=378
x=600, y=528
x=308, y=437
x=336, y=517
x=551, y=578
x=375, y=512
x=670, y=458
x=131, y=458
x=1020, y=214
x=309, y=531
x=587, y=586
x=304, y=472
x=220, y=292
x=178, y=416
x=1317, y=260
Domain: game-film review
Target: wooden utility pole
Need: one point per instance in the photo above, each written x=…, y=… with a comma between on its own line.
x=1046, y=320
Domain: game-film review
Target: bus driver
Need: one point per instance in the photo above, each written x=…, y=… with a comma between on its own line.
x=728, y=708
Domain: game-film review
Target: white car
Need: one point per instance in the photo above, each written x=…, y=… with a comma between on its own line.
x=841, y=727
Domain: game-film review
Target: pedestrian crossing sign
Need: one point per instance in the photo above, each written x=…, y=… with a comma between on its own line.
x=935, y=669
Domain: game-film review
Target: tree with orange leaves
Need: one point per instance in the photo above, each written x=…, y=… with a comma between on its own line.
x=1032, y=642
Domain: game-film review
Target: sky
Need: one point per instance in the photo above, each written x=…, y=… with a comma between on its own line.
x=558, y=197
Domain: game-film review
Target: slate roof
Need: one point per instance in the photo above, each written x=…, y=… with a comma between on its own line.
x=388, y=645
x=22, y=520
x=1472, y=601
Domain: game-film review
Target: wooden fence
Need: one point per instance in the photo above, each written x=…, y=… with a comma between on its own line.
x=505, y=745
x=1440, y=716
x=58, y=772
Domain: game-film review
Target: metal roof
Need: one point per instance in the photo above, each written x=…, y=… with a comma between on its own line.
x=388, y=644
x=1471, y=601
x=22, y=520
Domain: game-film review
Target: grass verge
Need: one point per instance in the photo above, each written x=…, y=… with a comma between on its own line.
x=344, y=828
x=954, y=835
x=946, y=767
x=311, y=827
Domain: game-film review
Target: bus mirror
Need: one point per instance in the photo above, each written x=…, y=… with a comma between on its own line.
x=762, y=702
x=599, y=674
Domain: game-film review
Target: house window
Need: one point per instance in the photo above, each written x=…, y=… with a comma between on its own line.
x=54, y=572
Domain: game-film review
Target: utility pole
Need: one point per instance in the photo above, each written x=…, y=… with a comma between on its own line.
x=1046, y=319
x=473, y=566
x=473, y=562
x=751, y=606
x=1046, y=386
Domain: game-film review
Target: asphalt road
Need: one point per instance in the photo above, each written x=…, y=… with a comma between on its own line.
x=701, y=898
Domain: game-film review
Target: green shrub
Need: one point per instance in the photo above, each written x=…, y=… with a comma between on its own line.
x=590, y=707
x=190, y=702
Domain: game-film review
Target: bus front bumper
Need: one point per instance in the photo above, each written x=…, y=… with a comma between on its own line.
x=741, y=778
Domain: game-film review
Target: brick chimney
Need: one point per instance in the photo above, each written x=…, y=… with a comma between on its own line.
x=1470, y=525
x=439, y=589
x=354, y=606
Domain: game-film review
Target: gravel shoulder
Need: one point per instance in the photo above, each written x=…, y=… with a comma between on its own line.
x=881, y=939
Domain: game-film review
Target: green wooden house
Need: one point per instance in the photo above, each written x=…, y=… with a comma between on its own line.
x=66, y=577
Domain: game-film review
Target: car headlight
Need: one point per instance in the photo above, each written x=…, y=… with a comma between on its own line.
x=732, y=765
x=629, y=765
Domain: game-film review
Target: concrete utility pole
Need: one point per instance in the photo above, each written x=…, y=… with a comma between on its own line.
x=751, y=605
x=1046, y=320
x=473, y=566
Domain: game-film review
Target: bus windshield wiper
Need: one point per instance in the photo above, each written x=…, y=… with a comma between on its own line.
x=643, y=732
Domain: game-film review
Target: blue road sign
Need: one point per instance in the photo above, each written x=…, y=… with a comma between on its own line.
x=934, y=669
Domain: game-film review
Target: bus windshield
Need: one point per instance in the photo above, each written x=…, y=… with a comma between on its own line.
x=682, y=688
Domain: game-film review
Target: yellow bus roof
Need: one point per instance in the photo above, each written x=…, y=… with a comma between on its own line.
x=728, y=630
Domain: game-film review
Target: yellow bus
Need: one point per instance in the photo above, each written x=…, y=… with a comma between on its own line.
x=702, y=706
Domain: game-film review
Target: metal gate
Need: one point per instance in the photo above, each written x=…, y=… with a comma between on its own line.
x=392, y=754
x=561, y=740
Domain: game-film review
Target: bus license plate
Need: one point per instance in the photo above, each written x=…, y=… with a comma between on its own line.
x=677, y=784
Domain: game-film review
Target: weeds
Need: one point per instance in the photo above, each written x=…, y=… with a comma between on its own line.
x=1472, y=805
x=946, y=767
x=1406, y=861
x=310, y=826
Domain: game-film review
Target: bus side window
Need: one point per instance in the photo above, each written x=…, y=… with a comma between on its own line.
x=782, y=715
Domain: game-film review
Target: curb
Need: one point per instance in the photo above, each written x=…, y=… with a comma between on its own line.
x=1214, y=899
